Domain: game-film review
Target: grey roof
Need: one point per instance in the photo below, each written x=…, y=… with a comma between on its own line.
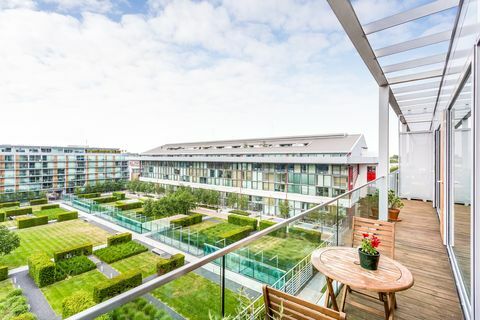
x=330, y=143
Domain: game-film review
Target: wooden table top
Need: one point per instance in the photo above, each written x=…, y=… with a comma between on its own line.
x=342, y=264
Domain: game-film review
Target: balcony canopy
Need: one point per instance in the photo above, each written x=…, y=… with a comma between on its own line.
x=410, y=51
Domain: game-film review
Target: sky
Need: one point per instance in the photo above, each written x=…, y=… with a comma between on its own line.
x=136, y=74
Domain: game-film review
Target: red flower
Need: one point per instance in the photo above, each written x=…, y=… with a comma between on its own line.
x=365, y=235
x=375, y=242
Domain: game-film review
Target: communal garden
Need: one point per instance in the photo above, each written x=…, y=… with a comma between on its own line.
x=13, y=305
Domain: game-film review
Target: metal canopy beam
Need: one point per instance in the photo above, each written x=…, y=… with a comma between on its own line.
x=437, y=58
x=409, y=15
x=416, y=95
x=414, y=43
x=423, y=75
x=348, y=19
x=423, y=86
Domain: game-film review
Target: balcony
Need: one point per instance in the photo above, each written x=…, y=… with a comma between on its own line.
x=280, y=258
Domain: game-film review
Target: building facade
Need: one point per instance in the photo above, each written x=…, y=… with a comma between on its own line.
x=303, y=170
x=59, y=169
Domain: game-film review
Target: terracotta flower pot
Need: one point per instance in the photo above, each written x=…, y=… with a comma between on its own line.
x=368, y=261
x=374, y=212
x=393, y=214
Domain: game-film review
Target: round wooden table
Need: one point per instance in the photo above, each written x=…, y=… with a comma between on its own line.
x=341, y=264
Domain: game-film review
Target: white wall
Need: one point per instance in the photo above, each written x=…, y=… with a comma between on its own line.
x=416, y=165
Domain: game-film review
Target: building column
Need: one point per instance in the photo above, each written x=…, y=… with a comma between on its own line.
x=383, y=152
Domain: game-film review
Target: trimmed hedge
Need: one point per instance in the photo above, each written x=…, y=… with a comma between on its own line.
x=74, y=266
x=41, y=269
x=89, y=195
x=10, y=204
x=67, y=216
x=240, y=212
x=18, y=211
x=116, y=285
x=120, y=251
x=129, y=206
x=119, y=238
x=75, y=303
x=280, y=233
x=36, y=202
x=3, y=273
x=104, y=199
x=25, y=316
x=49, y=206
x=167, y=265
x=82, y=250
x=3, y=216
x=212, y=235
x=307, y=234
x=242, y=221
x=119, y=195
x=29, y=222
x=187, y=221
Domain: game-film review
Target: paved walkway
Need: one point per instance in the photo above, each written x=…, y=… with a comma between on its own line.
x=38, y=303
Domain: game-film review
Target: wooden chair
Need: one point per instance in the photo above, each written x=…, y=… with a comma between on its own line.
x=282, y=306
x=385, y=231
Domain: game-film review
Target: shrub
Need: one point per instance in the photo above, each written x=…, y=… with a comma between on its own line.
x=116, y=285
x=104, y=199
x=240, y=212
x=75, y=265
x=25, y=316
x=18, y=211
x=129, y=205
x=242, y=221
x=3, y=216
x=89, y=195
x=67, y=216
x=119, y=238
x=307, y=234
x=10, y=204
x=229, y=232
x=120, y=251
x=82, y=250
x=141, y=309
x=49, y=206
x=75, y=303
x=167, y=265
x=187, y=221
x=119, y=195
x=41, y=269
x=264, y=224
x=36, y=202
x=29, y=222
x=3, y=273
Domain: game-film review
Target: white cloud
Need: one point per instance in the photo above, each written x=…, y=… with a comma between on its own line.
x=15, y=4
x=101, y=6
x=188, y=71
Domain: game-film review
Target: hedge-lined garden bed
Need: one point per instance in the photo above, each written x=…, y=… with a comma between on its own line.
x=116, y=285
x=51, y=213
x=71, y=215
x=10, y=204
x=74, y=266
x=89, y=195
x=120, y=251
x=36, y=202
x=119, y=238
x=28, y=222
x=124, y=206
x=229, y=232
x=240, y=212
x=106, y=199
x=189, y=220
x=243, y=221
x=18, y=211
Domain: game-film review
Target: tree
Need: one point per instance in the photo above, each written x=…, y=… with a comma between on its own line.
x=284, y=208
x=232, y=200
x=9, y=240
x=243, y=202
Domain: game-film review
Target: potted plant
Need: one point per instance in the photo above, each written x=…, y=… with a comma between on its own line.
x=394, y=206
x=368, y=253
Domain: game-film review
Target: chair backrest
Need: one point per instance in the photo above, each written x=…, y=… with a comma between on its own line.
x=384, y=230
x=282, y=306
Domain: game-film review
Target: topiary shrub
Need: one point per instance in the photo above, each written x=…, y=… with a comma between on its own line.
x=167, y=265
x=41, y=269
x=76, y=303
x=243, y=221
x=116, y=285
x=3, y=273
x=240, y=212
x=82, y=250
x=119, y=238
x=18, y=211
x=9, y=204
x=36, y=202
x=29, y=222
x=49, y=206
x=72, y=215
x=119, y=195
x=192, y=219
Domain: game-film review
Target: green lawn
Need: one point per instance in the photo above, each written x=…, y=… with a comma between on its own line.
x=6, y=286
x=56, y=292
x=289, y=250
x=194, y=297
x=52, y=237
x=145, y=262
x=202, y=225
x=51, y=213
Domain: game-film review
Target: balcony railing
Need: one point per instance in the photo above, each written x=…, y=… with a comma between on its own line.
x=226, y=279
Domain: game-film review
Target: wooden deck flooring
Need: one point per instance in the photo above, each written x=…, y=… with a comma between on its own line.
x=419, y=247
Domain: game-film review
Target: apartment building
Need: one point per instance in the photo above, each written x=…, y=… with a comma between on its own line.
x=304, y=170
x=60, y=169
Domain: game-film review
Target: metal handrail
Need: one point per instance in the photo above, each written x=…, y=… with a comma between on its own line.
x=150, y=285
